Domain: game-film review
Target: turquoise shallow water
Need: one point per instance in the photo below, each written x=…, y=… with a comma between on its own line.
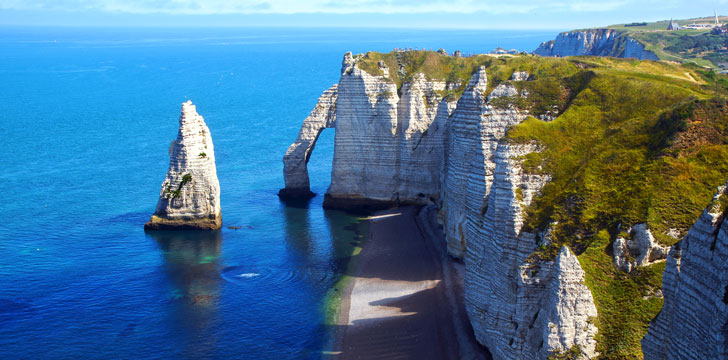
x=86, y=116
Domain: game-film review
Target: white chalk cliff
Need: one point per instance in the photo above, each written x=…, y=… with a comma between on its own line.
x=295, y=170
x=190, y=194
x=521, y=307
x=475, y=128
x=388, y=147
x=595, y=42
x=693, y=322
x=413, y=146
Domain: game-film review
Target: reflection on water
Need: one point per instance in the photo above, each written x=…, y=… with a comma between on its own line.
x=191, y=261
x=298, y=231
x=116, y=293
x=347, y=233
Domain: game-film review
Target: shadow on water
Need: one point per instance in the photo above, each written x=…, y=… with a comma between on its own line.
x=298, y=231
x=322, y=255
x=304, y=203
x=14, y=309
x=135, y=218
x=348, y=232
x=191, y=264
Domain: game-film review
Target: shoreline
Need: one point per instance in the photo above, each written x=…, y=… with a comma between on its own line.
x=403, y=297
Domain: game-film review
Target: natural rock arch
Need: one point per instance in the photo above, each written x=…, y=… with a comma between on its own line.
x=295, y=162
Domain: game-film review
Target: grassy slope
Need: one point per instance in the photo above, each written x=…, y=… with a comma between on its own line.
x=635, y=142
x=656, y=38
x=658, y=41
x=639, y=142
x=662, y=25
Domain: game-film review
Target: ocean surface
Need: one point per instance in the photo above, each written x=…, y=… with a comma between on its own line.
x=86, y=116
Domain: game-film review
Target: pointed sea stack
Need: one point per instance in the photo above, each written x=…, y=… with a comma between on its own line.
x=190, y=194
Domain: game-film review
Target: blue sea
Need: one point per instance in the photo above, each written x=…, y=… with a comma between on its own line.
x=86, y=116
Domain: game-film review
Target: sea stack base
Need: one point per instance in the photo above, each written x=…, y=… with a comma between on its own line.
x=295, y=194
x=159, y=223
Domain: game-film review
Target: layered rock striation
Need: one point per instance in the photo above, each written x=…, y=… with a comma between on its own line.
x=595, y=42
x=190, y=194
x=410, y=145
x=388, y=141
x=475, y=129
x=693, y=323
x=295, y=170
x=522, y=307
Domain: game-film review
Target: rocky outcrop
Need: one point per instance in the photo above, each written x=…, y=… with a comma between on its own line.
x=475, y=129
x=388, y=145
x=595, y=42
x=521, y=307
x=693, y=323
x=641, y=250
x=416, y=147
x=567, y=316
x=190, y=194
x=295, y=170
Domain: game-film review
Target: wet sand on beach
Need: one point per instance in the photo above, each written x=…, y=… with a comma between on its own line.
x=406, y=298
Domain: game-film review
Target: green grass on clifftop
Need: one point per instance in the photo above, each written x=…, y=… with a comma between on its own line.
x=637, y=142
x=698, y=46
x=433, y=65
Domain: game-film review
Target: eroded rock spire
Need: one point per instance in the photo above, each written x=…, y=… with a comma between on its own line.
x=190, y=194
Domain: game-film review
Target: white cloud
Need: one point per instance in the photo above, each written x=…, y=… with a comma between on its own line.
x=313, y=6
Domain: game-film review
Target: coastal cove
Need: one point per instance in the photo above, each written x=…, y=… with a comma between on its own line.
x=88, y=115
x=516, y=157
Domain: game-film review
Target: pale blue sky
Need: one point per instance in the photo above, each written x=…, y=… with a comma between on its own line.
x=487, y=14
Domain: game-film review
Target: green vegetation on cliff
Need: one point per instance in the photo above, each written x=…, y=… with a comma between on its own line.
x=433, y=65
x=634, y=142
x=703, y=47
x=686, y=46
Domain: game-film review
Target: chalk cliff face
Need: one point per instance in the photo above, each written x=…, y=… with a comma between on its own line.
x=295, y=170
x=409, y=145
x=521, y=307
x=388, y=144
x=416, y=147
x=190, y=194
x=475, y=128
x=513, y=210
x=595, y=42
x=693, y=323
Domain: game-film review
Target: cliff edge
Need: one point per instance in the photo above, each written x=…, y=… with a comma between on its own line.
x=693, y=323
x=595, y=42
x=560, y=183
